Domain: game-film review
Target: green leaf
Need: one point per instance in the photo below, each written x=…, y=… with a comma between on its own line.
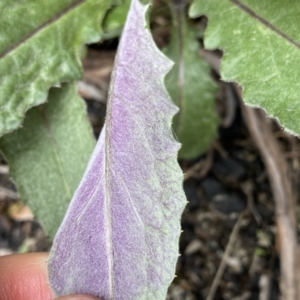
x=49, y=154
x=115, y=19
x=192, y=90
x=40, y=47
x=261, y=46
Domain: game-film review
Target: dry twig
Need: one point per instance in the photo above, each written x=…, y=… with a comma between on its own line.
x=222, y=266
x=247, y=189
x=282, y=192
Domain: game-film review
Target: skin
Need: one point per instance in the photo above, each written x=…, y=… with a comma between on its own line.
x=24, y=277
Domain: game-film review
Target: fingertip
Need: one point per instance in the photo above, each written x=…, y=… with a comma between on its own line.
x=24, y=277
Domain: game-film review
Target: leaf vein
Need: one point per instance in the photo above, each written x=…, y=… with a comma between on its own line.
x=265, y=22
x=41, y=27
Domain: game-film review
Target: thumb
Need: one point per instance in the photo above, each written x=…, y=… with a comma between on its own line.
x=24, y=277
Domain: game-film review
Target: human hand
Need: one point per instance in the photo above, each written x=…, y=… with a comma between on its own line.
x=24, y=277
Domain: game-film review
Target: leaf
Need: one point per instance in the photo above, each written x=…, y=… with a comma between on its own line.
x=42, y=50
x=261, y=51
x=115, y=19
x=192, y=89
x=48, y=155
x=119, y=239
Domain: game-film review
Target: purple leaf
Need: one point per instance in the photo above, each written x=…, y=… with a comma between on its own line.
x=119, y=239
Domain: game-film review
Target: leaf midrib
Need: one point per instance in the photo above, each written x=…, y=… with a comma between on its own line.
x=254, y=15
x=41, y=27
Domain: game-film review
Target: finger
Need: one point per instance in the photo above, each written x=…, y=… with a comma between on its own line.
x=24, y=277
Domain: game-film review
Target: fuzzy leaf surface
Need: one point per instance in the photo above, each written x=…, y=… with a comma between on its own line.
x=119, y=239
x=42, y=50
x=192, y=90
x=261, y=44
x=49, y=154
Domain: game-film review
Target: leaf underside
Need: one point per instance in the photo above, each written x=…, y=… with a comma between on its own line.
x=192, y=89
x=119, y=239
x=42, y=50
x=48, y=155
x=261, y=46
